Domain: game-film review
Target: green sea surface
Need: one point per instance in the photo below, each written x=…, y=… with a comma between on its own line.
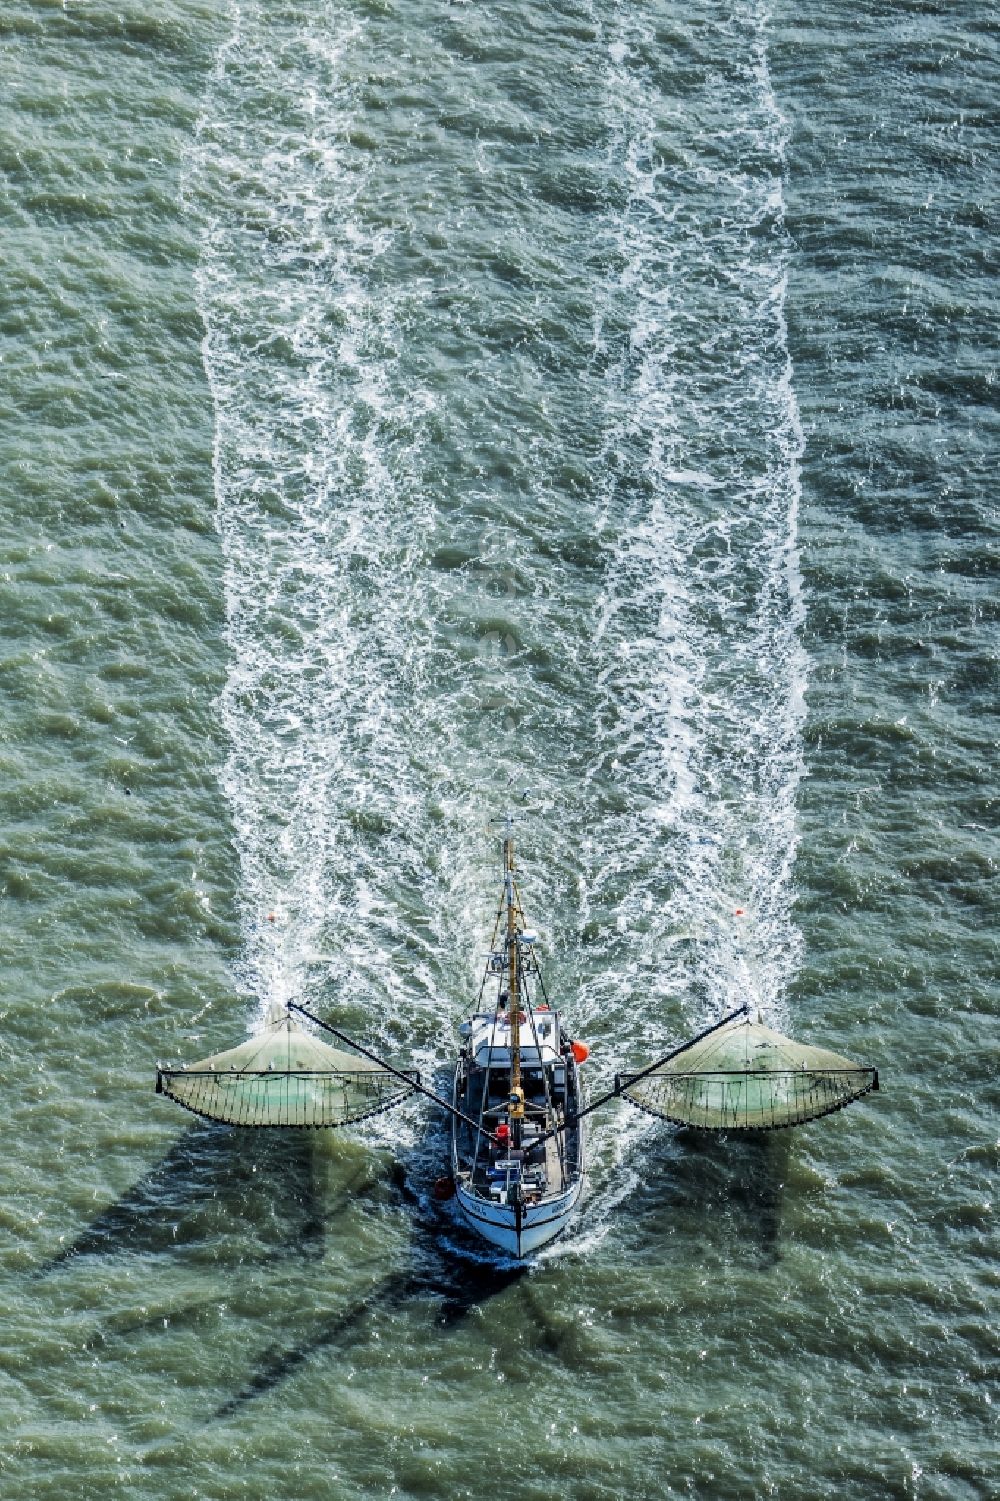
x=412, y=408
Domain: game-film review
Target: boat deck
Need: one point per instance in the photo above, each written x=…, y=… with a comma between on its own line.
x=545, y=1166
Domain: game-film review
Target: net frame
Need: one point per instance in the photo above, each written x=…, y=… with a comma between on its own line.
x=286, y=1077
x=311, y=1110
x=810, y=1102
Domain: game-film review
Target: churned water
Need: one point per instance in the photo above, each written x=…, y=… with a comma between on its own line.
x=406, y=403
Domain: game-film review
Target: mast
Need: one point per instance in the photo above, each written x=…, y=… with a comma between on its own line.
x=516, y=1103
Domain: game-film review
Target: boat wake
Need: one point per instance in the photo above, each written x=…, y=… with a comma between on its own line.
x=384, y=677
x=701, y=669
x=316, y=452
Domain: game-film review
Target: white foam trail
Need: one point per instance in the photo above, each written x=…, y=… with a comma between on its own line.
x=315, y=451
x=704, y=674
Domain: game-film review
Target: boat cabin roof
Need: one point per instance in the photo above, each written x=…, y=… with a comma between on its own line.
x=489, y=1038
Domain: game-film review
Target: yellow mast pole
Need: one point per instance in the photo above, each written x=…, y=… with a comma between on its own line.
x=516, y=1110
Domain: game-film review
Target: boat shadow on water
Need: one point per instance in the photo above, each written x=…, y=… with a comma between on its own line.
x=230, y=1198
x=224, y=1197
x=449, y=1276
x=726, y=1186
x=214, y=1187
x=450, y=1284
x=733, y=1184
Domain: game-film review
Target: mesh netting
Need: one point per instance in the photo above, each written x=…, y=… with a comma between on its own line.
x=284, y=1077
x=744, y=1077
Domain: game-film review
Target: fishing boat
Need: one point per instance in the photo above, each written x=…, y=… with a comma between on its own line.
x=518, y=1103
x=518, y=1170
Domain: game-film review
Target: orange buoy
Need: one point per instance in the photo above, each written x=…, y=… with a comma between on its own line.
x=444, y=1188
x=581, y=1052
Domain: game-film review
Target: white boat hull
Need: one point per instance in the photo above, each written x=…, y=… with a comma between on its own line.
x=519, y=1230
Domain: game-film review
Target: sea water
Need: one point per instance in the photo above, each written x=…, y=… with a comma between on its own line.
x=412, y=411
